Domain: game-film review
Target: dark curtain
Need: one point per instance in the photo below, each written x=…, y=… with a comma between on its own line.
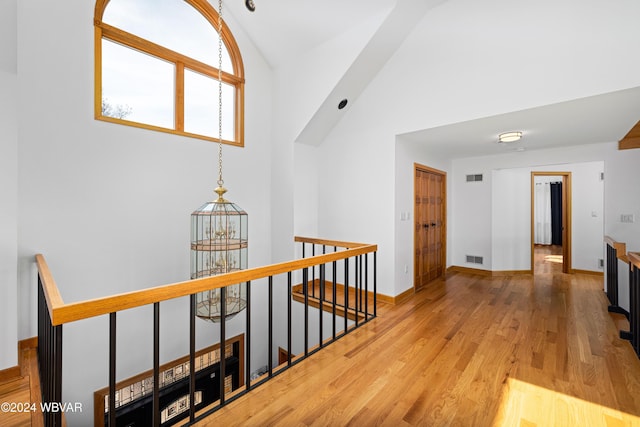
x=556, y=213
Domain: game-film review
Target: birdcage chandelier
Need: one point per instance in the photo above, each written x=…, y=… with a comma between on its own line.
x=219, y=236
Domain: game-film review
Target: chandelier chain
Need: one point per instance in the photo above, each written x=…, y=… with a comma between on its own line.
x=220, y=180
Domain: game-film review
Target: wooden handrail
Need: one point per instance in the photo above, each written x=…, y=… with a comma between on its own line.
x=62, y=313
x=51, y=292
x=621, y=248
x=634, y=258
x=326, y=242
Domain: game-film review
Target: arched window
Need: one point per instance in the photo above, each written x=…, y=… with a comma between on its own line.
x=157, y=68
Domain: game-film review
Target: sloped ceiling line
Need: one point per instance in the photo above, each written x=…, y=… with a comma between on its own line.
x=385, y=41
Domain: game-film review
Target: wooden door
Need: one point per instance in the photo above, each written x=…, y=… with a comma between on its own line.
x=430, y=225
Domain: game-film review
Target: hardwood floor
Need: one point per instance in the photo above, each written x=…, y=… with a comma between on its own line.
x=469, y=351
x=466, y=351
x=547, y=259
x=22, y=392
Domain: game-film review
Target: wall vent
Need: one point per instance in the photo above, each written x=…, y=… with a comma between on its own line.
x=472, y=259
x=474, y=177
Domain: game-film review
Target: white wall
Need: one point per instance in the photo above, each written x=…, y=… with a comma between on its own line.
x=8, y=36
x=305, y=191
x=511, y=207
x=8, y=221
x=109, y=206
x=472, y=214
x=301, y=86
x=584, y=161
x=8, y=186
x=451, y=69
x=622, y=176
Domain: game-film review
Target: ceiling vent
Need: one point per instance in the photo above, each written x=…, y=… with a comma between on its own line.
x=474, y=178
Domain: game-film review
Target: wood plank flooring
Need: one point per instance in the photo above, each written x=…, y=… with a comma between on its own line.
x=23, y=391
x=466, y=351
x=314, y=289
x=547, y=259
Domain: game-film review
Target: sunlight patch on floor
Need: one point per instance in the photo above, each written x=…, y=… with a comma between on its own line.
x=553, y=258
x=525, y=404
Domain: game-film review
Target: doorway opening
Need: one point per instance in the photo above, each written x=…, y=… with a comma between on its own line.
x=550, y=222
x=430, y=228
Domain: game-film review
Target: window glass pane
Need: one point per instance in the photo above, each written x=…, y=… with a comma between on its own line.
x=173, y=24
x=201, y=106
x=136, y=86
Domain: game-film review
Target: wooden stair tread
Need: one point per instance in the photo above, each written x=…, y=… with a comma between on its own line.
x=327, y=305
x=23, y=389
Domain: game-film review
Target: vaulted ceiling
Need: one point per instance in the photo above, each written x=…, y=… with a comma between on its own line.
x=284, y=29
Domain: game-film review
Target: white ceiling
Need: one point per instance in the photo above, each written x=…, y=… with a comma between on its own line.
x=282, y=29
x=595, y=119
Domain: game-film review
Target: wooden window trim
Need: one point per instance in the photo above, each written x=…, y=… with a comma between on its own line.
x=108, y=32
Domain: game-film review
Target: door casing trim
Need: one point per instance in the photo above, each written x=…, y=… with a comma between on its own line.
x=566, y=217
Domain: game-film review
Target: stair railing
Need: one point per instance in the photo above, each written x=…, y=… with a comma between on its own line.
x=616, y=251
x=53, y=313
x=634, y=300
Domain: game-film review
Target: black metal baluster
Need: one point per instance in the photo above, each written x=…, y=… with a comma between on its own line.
x=41, y=335
x=322, y=284
x=305, y=286
x=112, y=369
x=289, y=349
x=270, y=326
x=334, y=296
x=192, y=357
x=321, y=306
x=156, y=364
x=346, y=293
x=43, y=355
x=629, y=335
x=366, y=287
x=612, y=282
x=375, y=284
x=248, y=339
x=355, y=291
x=57, y=372
x=223, y=341
x=50, y=358
x=634, y=303
x=313, y=271
x=360, y=280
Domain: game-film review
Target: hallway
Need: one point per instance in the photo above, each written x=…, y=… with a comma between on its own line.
x=547, y=259
x=469, y=350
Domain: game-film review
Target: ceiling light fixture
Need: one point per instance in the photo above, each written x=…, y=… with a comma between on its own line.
x=509, y=136
x=250, y=5
x=219, y=238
